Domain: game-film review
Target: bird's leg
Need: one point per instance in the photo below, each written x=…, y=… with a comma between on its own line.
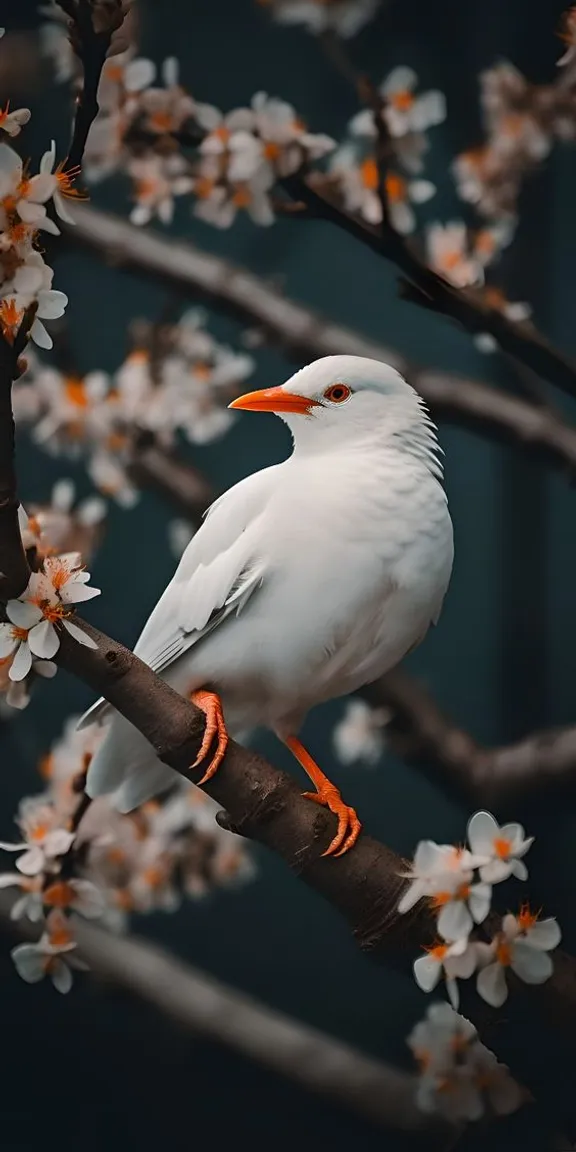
x=210, y=704
x=328, y=795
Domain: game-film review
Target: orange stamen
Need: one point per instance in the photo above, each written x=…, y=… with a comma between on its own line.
x=272, y=151
x=504, y=954
x=39, y=832
x=75, y=391
x=403, y=100
x=242, y=197
x=65, y=178
x=161, y=121
x=60, y=937
x=502, y=847
x=436, y=951
x=369, y=173
x=395, y=187
x=526, y=918
x=20, y=634
x=10, y=317
x=59, y=895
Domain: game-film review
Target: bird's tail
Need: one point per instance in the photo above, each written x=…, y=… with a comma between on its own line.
x=126, y=766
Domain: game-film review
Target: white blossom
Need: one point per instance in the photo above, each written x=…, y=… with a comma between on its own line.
x=12, y=122
x=459, y=1076
x=51, y=956
x=45, y=838
x=437, y=868
x=358, y=736
x=358, y=185
x=345, y=17
x=406, y=112
x=503, y=846
x=522, y=945
x=457, y=960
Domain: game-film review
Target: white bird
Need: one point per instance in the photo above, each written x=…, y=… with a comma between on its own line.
x=305, y=581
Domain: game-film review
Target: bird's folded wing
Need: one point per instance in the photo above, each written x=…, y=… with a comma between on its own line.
x=220, y=570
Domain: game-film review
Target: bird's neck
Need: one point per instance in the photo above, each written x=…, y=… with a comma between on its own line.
x=405, y=430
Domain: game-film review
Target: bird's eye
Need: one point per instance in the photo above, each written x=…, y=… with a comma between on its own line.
x=338, y=393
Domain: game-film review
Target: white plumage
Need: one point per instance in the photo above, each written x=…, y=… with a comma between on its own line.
x=307, y=579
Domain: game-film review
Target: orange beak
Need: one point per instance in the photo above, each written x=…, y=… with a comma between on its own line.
x=273, y=400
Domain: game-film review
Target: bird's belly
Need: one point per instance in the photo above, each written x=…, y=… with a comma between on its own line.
x=287, y=652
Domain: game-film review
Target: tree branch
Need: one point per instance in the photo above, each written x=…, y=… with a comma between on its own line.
x=161, y=471
x=431, y=290
x=542, y=762
x=198, y=1002
x=91, y=30
x=304, y=335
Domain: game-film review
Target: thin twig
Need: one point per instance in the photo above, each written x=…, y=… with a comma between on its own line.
x=427, y=288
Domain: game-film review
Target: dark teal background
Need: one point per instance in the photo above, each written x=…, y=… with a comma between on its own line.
x=501, y=662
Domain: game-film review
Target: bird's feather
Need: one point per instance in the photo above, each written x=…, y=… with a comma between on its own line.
x=219, y=572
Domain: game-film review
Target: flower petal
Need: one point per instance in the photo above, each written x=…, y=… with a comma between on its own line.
x=479, y=901
x=517, y=869
x=491, y=985
x=544, y=935
x=454, y=920
x=76, y=592
x=22, y=613
x=427, y=972
x=61, y=976
x=530, y=964
x=40, y=336
x=79, y=635
x=43, y=640
x=32, y=862
x=7, y=641
x=29, y=962
x=482, y=831
x=21, y=663
x=9, y=879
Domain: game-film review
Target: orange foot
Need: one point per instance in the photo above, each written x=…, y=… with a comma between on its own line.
x=327, y=794
x=210, y=704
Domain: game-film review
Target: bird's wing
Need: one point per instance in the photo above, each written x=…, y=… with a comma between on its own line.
x=219, y=571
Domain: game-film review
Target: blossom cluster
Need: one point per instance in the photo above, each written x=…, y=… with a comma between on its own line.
x=343, y=17
x=147, y=121
x=25, y=200
x=457, y=882
x=459, y=1077
x=521, y=121
x=353, y=167
x=95, y=862
x=62, y=524
x=179, y=379
x=30, y=637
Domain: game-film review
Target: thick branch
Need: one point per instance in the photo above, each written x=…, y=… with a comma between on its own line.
x=431, y=290
x=304, y=335
x=539, y=763
x=202, y=1004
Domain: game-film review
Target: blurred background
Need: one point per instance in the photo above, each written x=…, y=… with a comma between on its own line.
x=102, y=1064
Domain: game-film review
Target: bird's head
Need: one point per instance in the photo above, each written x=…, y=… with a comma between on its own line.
x=346, y=399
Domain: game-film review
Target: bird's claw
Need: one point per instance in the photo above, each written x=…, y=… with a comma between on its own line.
x=210, y=704
x=349, y=826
